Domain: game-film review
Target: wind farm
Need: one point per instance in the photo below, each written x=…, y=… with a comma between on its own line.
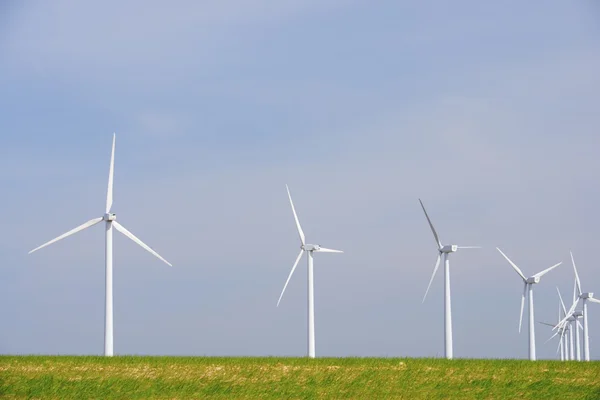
x=433, y=167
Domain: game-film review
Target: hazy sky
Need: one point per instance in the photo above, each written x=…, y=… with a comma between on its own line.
x=487, y=111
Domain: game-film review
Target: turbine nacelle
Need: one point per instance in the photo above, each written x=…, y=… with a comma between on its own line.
x=532, y=280
x=578, y=314
x=110, y=217
x=449, y=248
x=311, y=247
x=588, y=295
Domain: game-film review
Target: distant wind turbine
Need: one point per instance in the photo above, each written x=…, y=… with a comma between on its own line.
x=309, y=249
x=110, y=220
x=528, y=290
x=561, y=344
x=444, y=250
x=585, y=297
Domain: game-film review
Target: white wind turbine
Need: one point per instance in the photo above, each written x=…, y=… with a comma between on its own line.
x=561, y=344
x=110, y=222
x=309, y=249
x=528, y=290
x=572, y=329
x=561, y=332
x=445, y=250
x=585, y=297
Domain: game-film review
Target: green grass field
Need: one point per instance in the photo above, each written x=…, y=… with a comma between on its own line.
x=37, y=377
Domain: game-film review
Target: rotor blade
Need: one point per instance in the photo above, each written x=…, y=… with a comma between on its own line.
x=545, y=323
x=302, y=239
x=469, y=247
x=544, y=272
x=559, y=314
x=111, y=173
x=522, y=306
x=326, y=250
x=437, y=239
x=576, y=274
x=81, y=227
x=513, y=265
x=551, y=337
x=561, y=301
x=290, y=275
x=579, y=324
x=131, y=236
x=575, y=291
x=593, y=300
x=437, y=264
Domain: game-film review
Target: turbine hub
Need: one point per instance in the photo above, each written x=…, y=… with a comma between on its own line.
x=449, y=248
x=110, y=217
x=311, y=247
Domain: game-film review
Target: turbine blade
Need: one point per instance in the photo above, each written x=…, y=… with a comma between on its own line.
x=437, y=264
x=513, y=265
x=469, y=247
x=579, y=324
x=576, y=274
x=559, y=314
x=551, y=337
x=326, y=250
x=73, y=231
x=131, y=236
x=522, y=306
x=290, y=275
x=111, y=173
x=300, y=232
x=544, y=272
x=437, y=239
x=545, y=323
x=593, y=300
x=575, y=297
x=562, y=303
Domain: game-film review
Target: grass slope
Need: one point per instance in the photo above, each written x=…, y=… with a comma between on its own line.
x=37, y=377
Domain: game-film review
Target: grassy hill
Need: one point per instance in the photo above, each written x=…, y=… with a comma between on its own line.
x=36, y=377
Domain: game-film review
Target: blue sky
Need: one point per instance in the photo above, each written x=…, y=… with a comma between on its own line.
x=488, y=112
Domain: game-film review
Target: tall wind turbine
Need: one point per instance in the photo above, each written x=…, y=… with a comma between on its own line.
x=528, y=290
x=309, y=249
x=110, y=220
x=585, y=297
x=444, y=250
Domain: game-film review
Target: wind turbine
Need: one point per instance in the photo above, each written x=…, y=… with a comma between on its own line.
x=528, y=290
x=444, y=250
x=561, y=344
x=585, y=297
x=110, y=220
x=309, y=249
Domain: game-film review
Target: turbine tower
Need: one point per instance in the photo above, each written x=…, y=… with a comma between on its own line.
x=444, y=250
x=309, y=249
x=528, y=290
x=110, y=220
